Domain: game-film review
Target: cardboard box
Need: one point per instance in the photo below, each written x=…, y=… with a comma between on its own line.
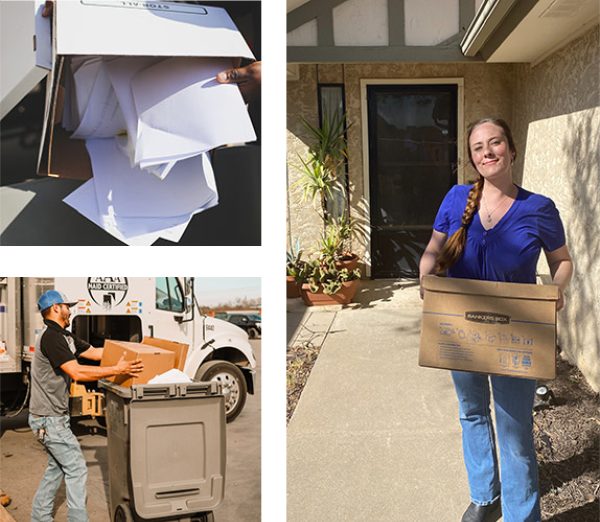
x=489, y=327
x=100, y=28
x=156, y=360
x=179, y=349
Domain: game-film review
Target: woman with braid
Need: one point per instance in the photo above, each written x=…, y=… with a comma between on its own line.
x=494, y=230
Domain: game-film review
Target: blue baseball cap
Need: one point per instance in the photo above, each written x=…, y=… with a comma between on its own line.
x=52, y=297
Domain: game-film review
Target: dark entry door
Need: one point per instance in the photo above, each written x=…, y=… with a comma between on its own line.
x=412, y=164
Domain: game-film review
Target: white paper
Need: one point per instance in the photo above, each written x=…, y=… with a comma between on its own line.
x=130, y=192
x=83, y=200
x=170, y=377
x=209, y=114
x=139, y=231
x=132, y=231
x=121, y=70
x=102, y=116
x=84, y=77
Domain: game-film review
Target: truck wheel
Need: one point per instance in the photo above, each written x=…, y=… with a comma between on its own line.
x=231, y=379
x=123, y=514
x=252, y=333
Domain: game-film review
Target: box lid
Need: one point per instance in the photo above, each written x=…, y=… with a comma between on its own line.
x=25, y=50
x=147, y=28
x=490, y=288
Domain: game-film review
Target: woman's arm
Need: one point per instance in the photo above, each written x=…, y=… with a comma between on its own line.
x=561, y=269
x=433, y=248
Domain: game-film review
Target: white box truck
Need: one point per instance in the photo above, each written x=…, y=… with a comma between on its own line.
x=128, y=309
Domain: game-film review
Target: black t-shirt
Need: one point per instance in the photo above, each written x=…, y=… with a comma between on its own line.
x=49, y=384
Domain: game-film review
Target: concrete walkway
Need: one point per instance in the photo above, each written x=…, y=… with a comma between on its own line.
x=374, y=436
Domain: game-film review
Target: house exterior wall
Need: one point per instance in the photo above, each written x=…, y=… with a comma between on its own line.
x=488, y=90
x=304, y=222
x=557, y=123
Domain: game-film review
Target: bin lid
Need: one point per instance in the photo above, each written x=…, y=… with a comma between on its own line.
x=26, y=50
x=139, y=392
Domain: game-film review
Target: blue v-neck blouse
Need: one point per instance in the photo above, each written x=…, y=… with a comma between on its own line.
x=508, y=252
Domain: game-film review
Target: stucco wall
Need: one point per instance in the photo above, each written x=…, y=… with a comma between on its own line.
x=304, y=223
x=557, y=123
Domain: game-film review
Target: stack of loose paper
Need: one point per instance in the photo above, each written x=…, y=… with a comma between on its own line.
x=149, y=124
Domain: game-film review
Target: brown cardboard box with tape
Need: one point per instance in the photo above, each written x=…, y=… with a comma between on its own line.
x=489, y=327
x=156, y=360
x=179, y=349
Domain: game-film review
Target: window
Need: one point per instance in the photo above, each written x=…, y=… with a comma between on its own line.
x=331, y=107
x=162, y=294
x=175, y=295
x=168, y=295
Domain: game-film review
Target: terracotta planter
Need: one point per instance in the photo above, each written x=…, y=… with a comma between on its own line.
x=344, y=296
x=350, y=264
x=293, y=288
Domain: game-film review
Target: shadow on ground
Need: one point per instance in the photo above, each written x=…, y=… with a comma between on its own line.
x=380, y=291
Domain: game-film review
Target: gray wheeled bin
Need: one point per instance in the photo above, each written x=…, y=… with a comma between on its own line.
x=166, y=451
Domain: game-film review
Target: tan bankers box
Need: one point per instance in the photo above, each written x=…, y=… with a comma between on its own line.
x=489, y=327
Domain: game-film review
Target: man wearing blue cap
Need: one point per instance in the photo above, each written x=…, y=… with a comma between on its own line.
x=54, y=365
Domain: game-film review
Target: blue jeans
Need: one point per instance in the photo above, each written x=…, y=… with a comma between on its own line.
x=65, y=459
x=513, y=404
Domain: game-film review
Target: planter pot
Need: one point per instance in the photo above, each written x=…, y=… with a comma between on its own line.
x=350, y=264
x=293, y=288
x=344, y=296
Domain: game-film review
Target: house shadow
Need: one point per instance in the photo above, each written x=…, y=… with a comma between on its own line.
x=373, y=292
x=585, y=513
x=557, y=474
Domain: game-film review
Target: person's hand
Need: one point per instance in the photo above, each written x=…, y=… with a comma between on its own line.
x=131, y=368
x=247, y=78
x=48, y=9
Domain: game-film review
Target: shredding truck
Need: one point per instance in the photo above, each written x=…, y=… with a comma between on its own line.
x=127, y=309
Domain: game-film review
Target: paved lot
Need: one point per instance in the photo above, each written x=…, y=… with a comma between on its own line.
x=24, y=461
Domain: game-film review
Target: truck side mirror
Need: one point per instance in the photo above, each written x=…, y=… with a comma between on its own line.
x=178, y=318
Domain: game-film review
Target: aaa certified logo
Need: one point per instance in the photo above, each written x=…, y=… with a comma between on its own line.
x=107, y=291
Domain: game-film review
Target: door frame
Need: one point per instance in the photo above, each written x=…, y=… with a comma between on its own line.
x=364, y=83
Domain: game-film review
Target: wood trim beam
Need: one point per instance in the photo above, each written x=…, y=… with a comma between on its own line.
x=396, y=23
x=466, y=13
x=362, y=54
x=309, y=11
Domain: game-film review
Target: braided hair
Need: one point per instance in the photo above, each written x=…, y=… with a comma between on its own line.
x=455, y=245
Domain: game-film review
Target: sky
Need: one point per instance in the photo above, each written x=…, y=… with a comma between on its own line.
x=211, y=291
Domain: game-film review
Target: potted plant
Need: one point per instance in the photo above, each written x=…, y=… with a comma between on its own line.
x=295, y=271
x=335, y=243
x=327, y=284
x=320, y=172
x=333, y=276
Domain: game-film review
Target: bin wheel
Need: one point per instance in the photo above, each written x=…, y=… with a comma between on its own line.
x=123, y=514
x=233, y=382
x=207, y=517
x=252, y=333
